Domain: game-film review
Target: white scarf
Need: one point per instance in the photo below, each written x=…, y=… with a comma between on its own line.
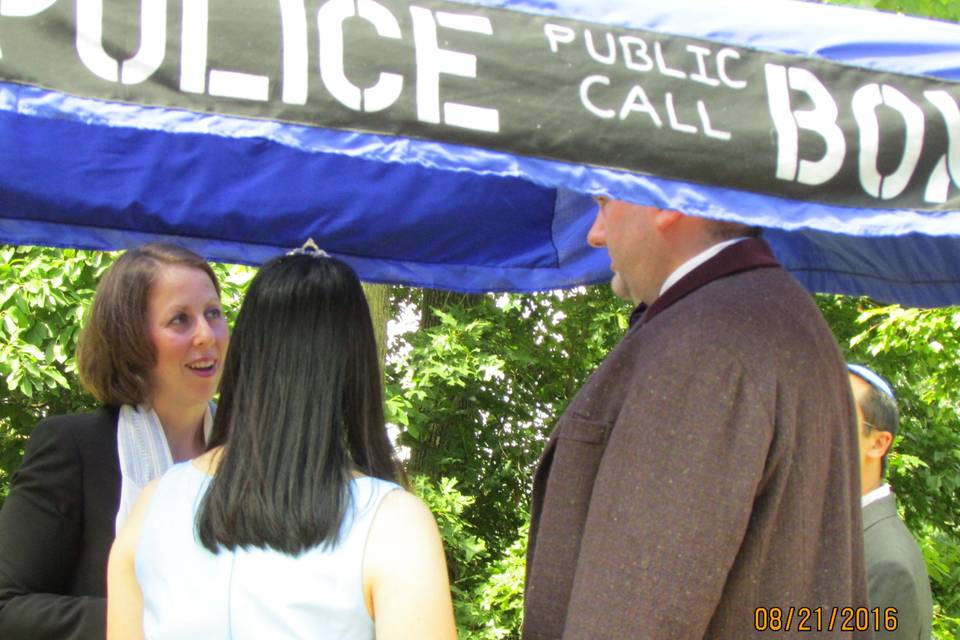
x=144, y=452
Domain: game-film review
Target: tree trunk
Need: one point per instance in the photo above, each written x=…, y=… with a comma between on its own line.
x=378, y=299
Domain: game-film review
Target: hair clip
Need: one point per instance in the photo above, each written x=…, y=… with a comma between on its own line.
x=309, y=248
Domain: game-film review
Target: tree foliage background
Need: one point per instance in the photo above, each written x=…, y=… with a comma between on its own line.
x=474, y=386
x=476, y=383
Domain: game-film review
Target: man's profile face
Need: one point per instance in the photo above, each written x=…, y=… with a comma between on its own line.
x=626, y=230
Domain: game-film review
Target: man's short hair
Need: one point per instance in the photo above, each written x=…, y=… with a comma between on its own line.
x=878, y=406
x=722, y=230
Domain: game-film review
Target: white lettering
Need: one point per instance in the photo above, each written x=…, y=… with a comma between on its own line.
x=432, y=61
x=557, y=35
x=675, y=124
x=707, y=126
x=701, y=75
x=722, y=56
x=389, y=86
x=588, y=82
x=788, y=138
x=330, y=19
x=234, y=84
x=193, y=49
x=24, y=8
x=865, y=103
x=938, y=187
x=662, y=65
x=635, y=58
x=193, y=59
x=821, y=119
x=153, y=36
x=609, y=57
x=293, y=23
x=637, y=101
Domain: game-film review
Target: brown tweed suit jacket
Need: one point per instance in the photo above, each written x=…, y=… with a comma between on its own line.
x=706, y=469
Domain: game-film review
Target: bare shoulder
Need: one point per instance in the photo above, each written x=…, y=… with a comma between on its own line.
x=406, y=586
x=403, y=519
x=400, y=504
x=403, y=527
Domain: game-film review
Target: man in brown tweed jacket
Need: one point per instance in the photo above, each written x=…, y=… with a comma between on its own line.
x=703, y=483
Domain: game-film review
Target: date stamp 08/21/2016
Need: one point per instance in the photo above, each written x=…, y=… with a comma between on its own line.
x=818, y=619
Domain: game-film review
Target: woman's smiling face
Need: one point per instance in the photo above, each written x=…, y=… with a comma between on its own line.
x=189, y=335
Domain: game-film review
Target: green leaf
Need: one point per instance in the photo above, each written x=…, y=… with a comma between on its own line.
x=57, y=377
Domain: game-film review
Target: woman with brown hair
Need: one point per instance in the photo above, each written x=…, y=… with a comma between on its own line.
x=151, y=351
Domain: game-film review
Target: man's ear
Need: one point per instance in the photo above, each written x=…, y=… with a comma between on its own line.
x=880, y=442
x=664, y=218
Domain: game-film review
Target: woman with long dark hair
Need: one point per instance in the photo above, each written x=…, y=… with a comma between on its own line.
x=293, y=524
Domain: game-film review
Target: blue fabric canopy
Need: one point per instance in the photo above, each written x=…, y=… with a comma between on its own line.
x=456, y=144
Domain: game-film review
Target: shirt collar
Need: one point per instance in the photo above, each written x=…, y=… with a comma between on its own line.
x=880, y=492
x=752, y=253
x=695, y=262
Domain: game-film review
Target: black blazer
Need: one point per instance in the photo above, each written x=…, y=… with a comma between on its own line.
x=56, y=528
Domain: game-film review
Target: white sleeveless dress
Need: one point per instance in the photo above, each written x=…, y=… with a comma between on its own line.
x=190, y=593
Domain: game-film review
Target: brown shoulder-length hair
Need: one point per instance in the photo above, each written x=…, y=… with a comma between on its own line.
x=115, y=352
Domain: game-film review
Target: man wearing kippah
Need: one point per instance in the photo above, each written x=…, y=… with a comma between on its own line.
x=896, y=573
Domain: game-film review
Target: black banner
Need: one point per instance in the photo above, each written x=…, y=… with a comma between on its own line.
x=675, y=107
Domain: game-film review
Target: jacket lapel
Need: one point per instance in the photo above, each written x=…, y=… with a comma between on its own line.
x=752, y=253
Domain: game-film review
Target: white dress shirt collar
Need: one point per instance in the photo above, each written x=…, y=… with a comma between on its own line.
x=695, y=262
x=880, y=492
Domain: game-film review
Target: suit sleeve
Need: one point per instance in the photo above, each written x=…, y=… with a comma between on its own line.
x=40, y=540
x=671, y=504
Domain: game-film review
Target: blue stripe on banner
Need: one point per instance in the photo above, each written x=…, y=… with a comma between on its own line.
x=245, y=199
x=62, y=199
x=447, y=215
x=703, y=200
x=914, y=270
x=453, y=277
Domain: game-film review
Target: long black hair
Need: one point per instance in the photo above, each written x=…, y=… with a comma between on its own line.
x=300, y=408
